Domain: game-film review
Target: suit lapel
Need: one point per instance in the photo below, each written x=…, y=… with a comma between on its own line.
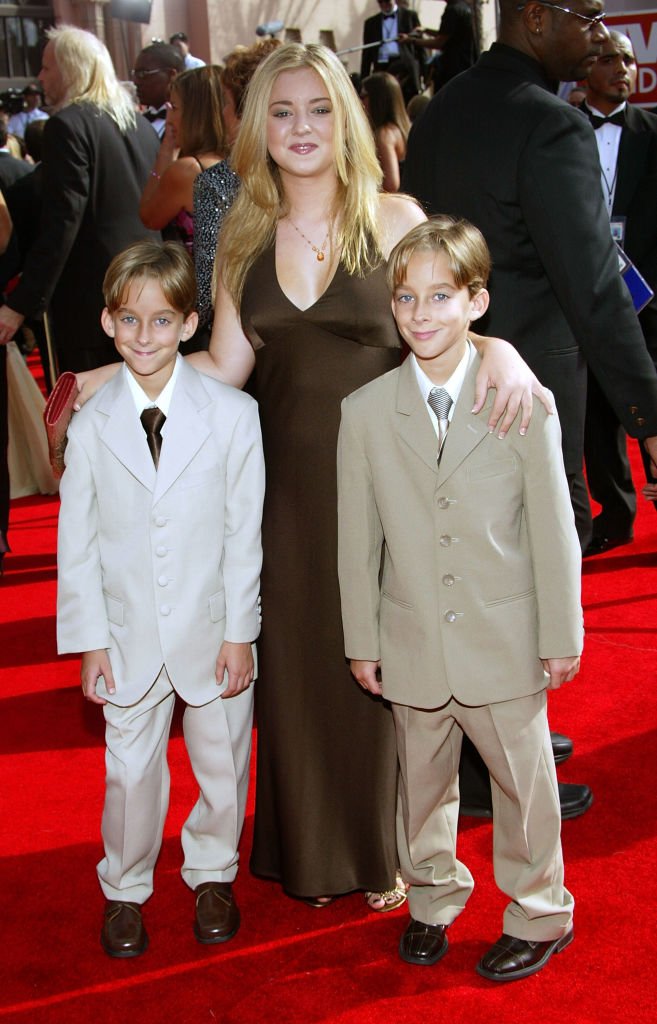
x=413, y=420
x=122, y=433
x=632, y=153
x=185, y=431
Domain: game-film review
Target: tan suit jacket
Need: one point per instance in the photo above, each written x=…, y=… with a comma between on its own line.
x=161, y=566
x=480, y=576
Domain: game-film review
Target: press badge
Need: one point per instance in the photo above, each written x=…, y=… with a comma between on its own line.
x=639, y=288
x=617, y=225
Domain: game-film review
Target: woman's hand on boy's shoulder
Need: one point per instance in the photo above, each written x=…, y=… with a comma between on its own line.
x=89, y=381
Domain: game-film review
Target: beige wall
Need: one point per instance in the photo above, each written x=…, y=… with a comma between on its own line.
x=214, y=27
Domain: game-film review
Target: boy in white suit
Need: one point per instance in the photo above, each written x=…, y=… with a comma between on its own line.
x=460, y=580
x=159, y=562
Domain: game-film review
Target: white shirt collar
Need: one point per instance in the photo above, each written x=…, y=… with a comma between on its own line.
x=141, y=399
x=595, y=110
x=452, y=386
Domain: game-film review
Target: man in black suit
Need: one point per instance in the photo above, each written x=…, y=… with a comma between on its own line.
x=400, y=58
x=627, y=146
x=155, y=68
x=497, y=146
x=97, y=155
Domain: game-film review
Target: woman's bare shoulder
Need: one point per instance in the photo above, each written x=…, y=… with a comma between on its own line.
x=398, y=214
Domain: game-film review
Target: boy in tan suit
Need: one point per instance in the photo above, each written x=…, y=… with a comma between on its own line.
x=159, y=563
x=460, y=580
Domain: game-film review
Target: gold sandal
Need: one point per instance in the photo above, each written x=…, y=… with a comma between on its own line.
x=390, y=899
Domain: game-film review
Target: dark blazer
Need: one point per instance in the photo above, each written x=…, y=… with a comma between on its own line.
x=407, y=20
x=497, y=146
x=11, y=170
x=93, y=178
x=636, y=200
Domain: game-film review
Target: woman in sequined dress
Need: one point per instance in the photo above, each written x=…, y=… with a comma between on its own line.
x=216, y=188
x=193, y=143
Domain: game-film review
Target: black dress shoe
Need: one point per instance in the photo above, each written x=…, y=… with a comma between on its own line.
x=423, y=943
x=562, y=747
x=510, y=959
x=574, y=800
x=217, y=918
x=598, y=545
x=123, y=933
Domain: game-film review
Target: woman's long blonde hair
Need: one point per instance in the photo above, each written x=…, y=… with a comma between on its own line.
x=251, y=224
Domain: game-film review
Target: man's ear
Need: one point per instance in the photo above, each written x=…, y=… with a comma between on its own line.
x=189, y=326
x=479, y=304
x=107, y=322
x=533, y=17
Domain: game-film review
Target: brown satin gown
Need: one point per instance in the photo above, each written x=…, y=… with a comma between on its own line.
x=327, y=763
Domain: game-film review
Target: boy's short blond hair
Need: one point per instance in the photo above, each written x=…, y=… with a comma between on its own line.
x=462, y=243
x=168, y=263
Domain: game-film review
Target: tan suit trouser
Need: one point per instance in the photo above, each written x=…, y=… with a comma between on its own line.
x=514, y=741
x=218, y=741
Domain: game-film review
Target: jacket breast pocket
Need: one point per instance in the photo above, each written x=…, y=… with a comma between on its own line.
x=486, y=470
x=201, y=478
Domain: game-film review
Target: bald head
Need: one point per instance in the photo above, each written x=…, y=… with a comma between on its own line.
x=565, y=37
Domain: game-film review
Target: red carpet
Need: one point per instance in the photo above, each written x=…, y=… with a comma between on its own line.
x=290, y=963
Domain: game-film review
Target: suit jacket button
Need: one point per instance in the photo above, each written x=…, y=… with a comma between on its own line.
x=445, y=541
x=443, y=503
x=162, y=581
x=450, y=616
x=165, y=609
x=160, y=521
x=448, y=580
x=640, y=421
x=160, y=551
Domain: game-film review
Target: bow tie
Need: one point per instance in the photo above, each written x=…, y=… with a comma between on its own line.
x=597, y=120
x=156, y=115
x=386, y=17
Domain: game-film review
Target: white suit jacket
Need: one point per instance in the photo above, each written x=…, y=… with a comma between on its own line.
x=160, y=567
x=480, y=575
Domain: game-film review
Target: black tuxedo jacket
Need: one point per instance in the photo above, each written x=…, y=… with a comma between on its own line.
x=11, y=170
x=92, y=182
x=407, y=20
x=636, y=200
x=498, y=147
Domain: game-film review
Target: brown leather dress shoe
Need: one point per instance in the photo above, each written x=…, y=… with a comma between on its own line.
x=217, y=918
x=123, y=933
x=423, y=943
x=512, y=958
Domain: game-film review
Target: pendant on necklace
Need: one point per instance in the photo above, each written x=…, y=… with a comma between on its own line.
x=320, y=255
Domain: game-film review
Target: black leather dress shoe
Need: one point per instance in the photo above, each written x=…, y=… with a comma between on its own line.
x=562, y=747
x=574, y=800
x=598, y=545
x=423, y=943
x=123, y=933
x=510, y=959
x=217, y=918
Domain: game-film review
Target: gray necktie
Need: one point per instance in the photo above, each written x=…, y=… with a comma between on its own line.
x=440, y=401
x=152, y=420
